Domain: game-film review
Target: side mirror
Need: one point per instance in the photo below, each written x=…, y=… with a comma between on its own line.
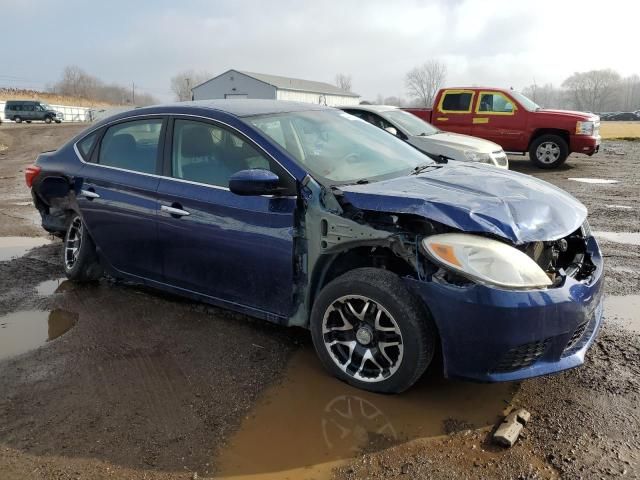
x=392, y=131
x=256, y=181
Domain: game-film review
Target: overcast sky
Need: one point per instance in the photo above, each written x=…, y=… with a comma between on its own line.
x=483, y=42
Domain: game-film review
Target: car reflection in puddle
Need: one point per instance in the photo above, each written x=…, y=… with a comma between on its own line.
x=23, y=331
x=312, y=419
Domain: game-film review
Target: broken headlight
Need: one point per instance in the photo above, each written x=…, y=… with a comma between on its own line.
x=485, y=261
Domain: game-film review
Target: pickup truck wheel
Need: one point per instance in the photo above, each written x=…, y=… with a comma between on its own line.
x=17, y=119
x=371, y=332
x=79, y=257
x=548, y=151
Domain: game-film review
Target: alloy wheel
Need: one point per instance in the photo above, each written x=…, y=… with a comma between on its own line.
x=548, y=152
x=362, y=338
x=73, y=243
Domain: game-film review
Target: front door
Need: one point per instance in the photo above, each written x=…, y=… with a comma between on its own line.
x=499, y=119
x=454, y=111
x=236, y=249
x=117, y=196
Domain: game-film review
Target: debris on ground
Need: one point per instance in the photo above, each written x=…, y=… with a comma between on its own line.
x=509, y=430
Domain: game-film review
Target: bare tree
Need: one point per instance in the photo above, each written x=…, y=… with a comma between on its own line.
x=343, y=82
x=183, y=82
x=546, y=96
x=423, y=82
x=77, y=83
x=592, y=91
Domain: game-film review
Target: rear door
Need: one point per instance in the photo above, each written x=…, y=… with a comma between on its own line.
x=498, y=118
x=454, y=111
x=237, y=249
x=117, y=194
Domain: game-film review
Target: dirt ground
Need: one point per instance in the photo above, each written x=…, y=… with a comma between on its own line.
x=114, y=381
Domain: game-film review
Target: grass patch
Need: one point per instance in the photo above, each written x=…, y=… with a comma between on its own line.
x=620, y=130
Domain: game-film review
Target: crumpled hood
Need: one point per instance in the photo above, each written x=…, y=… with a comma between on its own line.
x=476, y=198
x=457, y=141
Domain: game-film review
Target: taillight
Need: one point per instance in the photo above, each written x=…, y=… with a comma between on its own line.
x=30, y=174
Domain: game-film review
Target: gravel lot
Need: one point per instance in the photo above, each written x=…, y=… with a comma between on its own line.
x=137, y=384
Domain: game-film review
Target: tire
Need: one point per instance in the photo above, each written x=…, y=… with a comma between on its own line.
x=28, y=121
x=79, y=257
x=548, y=151
x=404, y=326
x=47, y=119
x=58, y=121
x=17, y=119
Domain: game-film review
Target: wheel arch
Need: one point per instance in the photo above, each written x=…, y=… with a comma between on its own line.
x=564, y=134
x=331, y=266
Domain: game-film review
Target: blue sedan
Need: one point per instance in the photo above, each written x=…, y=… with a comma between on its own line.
x=304, y=215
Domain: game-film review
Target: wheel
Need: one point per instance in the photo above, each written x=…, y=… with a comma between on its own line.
x=79, y=256
x=370, y=332
x=47, y=119
x=58, y=121
x=28, y=121
x=548, y=151
x=17, y=119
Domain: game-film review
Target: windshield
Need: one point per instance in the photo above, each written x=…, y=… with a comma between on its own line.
x=408, y=122
x=525, y=101
x=340, y=148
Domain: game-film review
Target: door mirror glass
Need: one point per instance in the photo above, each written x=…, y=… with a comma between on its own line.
x=392, y=131
x=256, y=181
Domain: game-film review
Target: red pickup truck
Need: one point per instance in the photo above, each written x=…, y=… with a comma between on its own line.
x=514, y=122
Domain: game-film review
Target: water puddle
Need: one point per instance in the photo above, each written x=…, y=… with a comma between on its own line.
x=594, y=180
x=22, y=204
x=14, y=247
x=624, y=311
x=49, y=287
x=29, y=329
x=619, y=207
x=627, y=238
x=316, y=420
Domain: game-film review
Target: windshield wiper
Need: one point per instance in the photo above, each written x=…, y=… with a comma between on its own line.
x=421, y=168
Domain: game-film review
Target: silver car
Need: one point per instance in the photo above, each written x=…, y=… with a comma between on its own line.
x=428, y=139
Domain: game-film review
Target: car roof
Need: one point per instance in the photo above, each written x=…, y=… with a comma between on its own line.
x=238, y=107
x=369, y=108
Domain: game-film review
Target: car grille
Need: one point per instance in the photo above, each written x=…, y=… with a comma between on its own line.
x=522, y=356
x=582, y=333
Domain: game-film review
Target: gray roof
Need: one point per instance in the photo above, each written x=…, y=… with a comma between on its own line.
x=296, y=84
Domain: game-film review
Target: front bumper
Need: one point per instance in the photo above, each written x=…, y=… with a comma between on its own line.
x=493, y=335
x=585, y=144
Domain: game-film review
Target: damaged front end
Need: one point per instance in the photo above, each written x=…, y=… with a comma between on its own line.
x=488, y=332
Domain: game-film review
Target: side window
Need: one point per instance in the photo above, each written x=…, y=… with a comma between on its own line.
x=206, y=153
x=456, y=102
x=132, y=145
x=495, y=102
x=86, y=144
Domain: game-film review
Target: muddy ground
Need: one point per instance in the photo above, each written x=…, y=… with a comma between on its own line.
x=114, y=381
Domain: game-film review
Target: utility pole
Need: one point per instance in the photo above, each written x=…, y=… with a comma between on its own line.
x=133, y=93
x=189, y=96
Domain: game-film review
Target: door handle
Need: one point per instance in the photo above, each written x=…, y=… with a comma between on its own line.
x=178, y=212
x=90, y=194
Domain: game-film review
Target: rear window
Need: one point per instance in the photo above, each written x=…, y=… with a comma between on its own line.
x=86, y=144
x=457, y=102
x=132, y=145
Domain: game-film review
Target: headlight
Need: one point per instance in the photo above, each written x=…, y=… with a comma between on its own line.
x=584, y=128
x=478, y=157
x=485, y=261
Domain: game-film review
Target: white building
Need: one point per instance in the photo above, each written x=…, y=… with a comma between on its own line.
x=237, y=84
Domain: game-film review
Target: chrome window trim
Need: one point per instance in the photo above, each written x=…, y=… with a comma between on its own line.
x=107, y=125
